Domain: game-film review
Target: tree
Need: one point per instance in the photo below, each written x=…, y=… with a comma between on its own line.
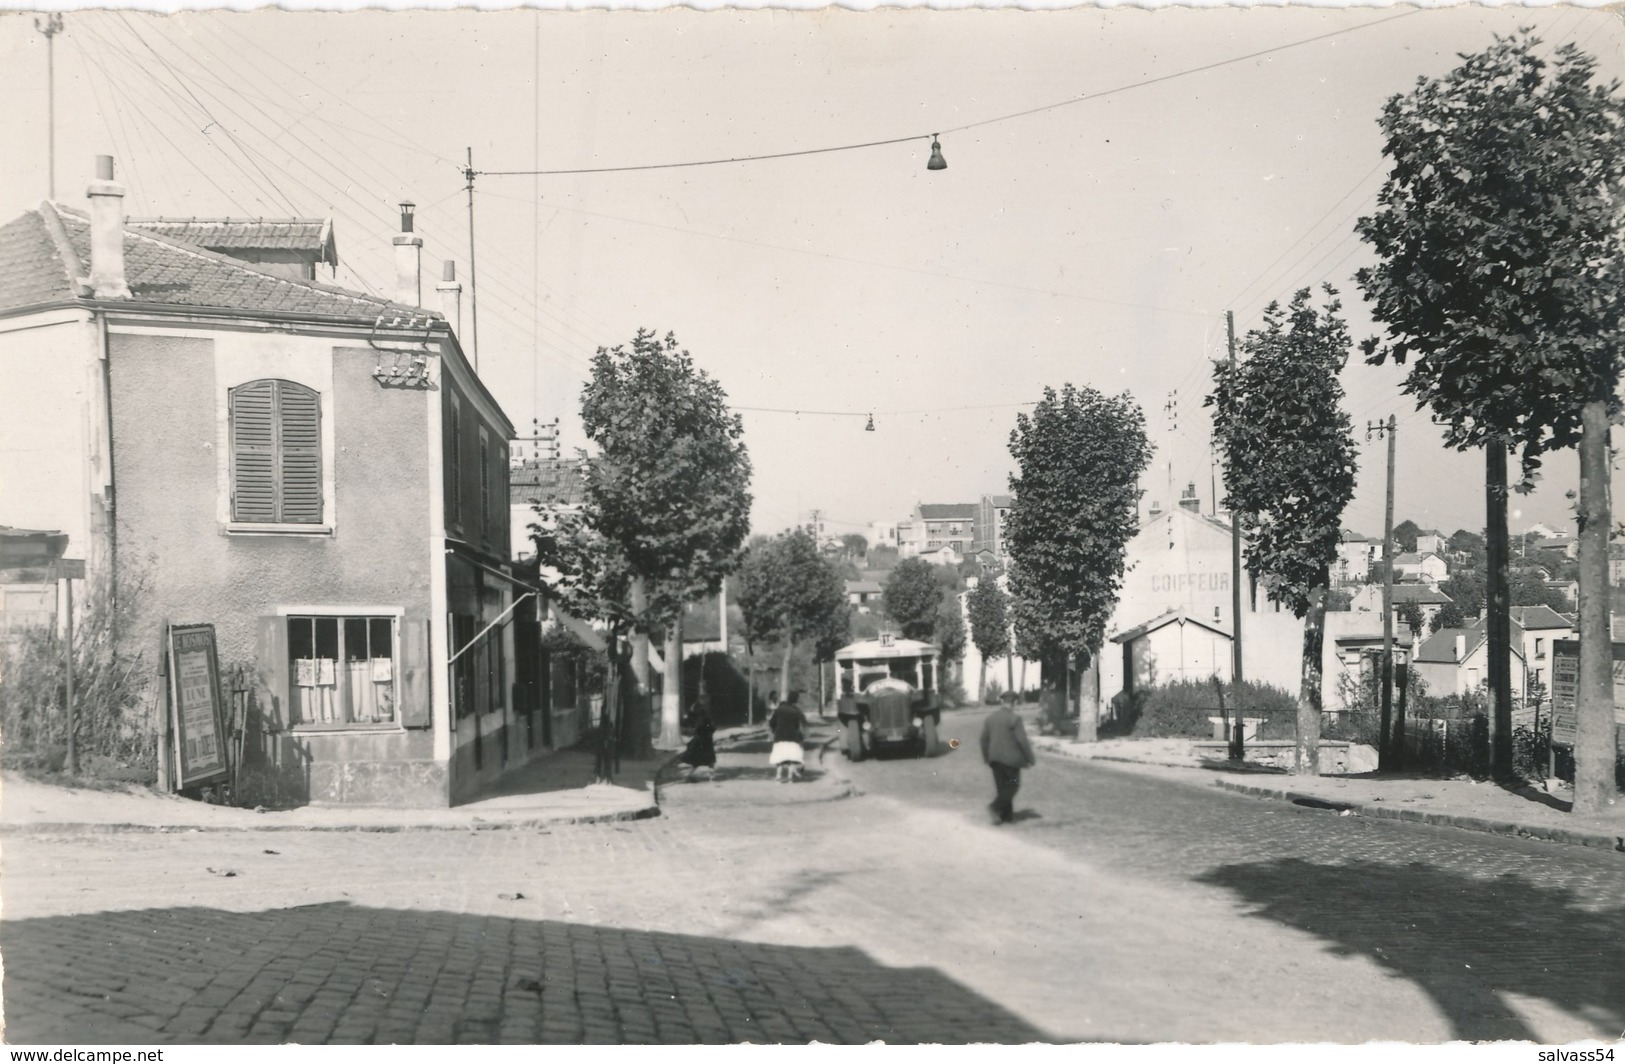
x=1465, y=586
x=1501, y=268
x=911, y=597
x=854, y=545
x=1405, y=534
x=1079, y=456
x=1450, y=615
x=1289, y=458
x=989, y=626
x=1410, y=614
x=1462, y=541
x=949, y=634
x=665, y=511
x=789, y=592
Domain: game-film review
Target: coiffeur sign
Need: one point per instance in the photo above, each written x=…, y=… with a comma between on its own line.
x=194, y=679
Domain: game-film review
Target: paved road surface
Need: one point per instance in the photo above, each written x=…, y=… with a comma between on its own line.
x=1125, y=906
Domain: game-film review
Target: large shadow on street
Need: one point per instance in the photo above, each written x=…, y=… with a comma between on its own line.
x=1464, y=941
x=339, y=972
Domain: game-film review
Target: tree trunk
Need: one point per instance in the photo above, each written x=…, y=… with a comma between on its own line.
x=1052, y=669
x=639, y=743
x=1307, y=759
x=784, y=672
x=981, y=682
x=1497, y=621
x=1010, y=669
x=1595, y=745
x=671, y=693
x=1089, y=701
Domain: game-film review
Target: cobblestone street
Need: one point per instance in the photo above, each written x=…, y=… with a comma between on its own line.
x=1124, y=905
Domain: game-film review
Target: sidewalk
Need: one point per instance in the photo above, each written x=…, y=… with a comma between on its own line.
x=556, y=789
x=1459, y=802
x=743, y=776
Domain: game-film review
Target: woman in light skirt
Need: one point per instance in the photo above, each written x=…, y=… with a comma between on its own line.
x=788, y=727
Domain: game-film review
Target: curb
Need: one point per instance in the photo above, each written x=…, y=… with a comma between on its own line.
x=91, y=828
x=1589, y=839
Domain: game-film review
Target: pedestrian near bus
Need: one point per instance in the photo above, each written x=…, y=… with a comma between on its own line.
x=1006, y=750
x=788, y=727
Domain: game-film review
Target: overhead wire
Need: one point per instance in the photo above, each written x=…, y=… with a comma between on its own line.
x=344, y=151
x=206, y=112
x=941, y=131
x=261, y=191
x=358, y=278
x=160, y=132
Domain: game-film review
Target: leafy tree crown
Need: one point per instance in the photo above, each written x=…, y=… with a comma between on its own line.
x=1501, y=273
x=1079, y=456
x=1288, y=448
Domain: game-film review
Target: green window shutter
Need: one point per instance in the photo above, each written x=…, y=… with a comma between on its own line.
x=253, y=452
x=300, y=411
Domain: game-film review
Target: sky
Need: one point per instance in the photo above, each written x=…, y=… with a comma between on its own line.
x=1117, y=180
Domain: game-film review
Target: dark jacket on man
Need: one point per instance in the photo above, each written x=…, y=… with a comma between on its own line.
x=1004, y=739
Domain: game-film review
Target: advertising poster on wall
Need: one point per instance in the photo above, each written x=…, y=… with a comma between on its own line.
x=194, y=671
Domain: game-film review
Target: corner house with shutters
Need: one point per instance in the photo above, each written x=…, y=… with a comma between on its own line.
x=318, y=473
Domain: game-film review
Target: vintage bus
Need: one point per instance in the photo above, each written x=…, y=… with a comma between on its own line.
x=889, y=696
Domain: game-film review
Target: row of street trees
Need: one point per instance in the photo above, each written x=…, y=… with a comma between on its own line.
x=1501, y=282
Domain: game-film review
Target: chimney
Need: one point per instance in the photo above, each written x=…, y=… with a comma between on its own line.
x=451, y=296
x=1189, y=501
x=1461, y=647
x=107, y=233
x=408, y=261
x=1155, y=511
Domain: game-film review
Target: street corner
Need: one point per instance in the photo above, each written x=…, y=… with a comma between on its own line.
x=742, y=775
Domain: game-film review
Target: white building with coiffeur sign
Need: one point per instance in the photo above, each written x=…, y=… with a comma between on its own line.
x=1174, y=618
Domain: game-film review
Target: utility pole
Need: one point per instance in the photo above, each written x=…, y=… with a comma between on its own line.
x=1387, y=756
x=1238, y=749
x=473, y=275
x=1497, y=622
x=50, y=27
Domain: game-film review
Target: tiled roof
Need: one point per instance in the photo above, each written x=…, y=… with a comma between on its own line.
x=1420, y=594
x=36, y=267
x=1536, y=618
x=1440, y=647
x=256, y=234
x=948, y=511
x=999, y=501
x=559, y=482
x=31, y=266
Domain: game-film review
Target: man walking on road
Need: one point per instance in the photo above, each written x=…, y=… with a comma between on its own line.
x=1006, y=750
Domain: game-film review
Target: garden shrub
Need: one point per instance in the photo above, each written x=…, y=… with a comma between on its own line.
x=111, y=686
x=1181, y=709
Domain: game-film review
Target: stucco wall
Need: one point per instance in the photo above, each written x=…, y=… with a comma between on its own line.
x=1182, y=561
x=168, y=398
x=45, y=407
